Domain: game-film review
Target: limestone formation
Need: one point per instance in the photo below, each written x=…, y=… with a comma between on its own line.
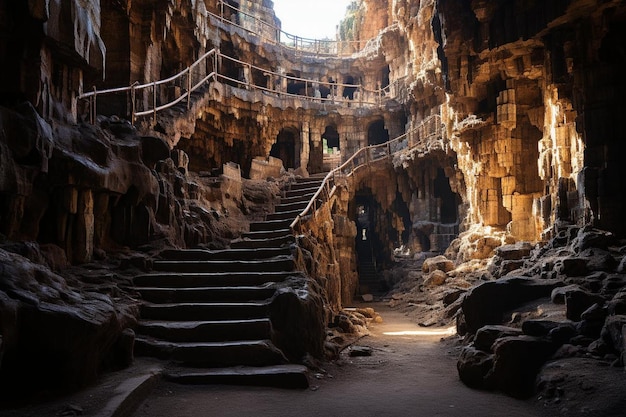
x=484, y=131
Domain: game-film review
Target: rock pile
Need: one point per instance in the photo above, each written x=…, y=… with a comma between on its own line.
x=563, y=300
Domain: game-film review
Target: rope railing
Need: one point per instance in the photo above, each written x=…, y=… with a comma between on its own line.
x=429, y=129
x=150, y=98
x=275, y=35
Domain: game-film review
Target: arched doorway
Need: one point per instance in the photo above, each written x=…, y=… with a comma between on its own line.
x=287, y=148
x=448, y=199
x=369, y=247
x=331, y=146
x=384, y=77
x=376, y=133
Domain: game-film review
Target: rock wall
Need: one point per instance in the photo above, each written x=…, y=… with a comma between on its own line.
x=519, y=74
x=529, y=95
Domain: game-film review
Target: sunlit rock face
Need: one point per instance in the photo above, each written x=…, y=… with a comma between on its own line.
x=527, y=96
x=542, y=82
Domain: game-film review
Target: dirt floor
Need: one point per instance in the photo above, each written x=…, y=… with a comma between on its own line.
x=411, y=372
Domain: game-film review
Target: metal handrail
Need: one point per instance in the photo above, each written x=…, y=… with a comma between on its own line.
x=420, y=135
x=360, y=95
x=320, y=47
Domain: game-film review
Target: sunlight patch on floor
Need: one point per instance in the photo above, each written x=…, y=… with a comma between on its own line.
x=426, y=332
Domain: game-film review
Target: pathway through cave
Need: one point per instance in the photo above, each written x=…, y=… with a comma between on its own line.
x=406, y=375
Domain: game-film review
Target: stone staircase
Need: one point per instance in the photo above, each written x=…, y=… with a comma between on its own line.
x=369, y=280
x=208, y=312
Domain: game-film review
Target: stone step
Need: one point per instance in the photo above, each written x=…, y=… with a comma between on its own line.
x=283, y=215
x=295, y=206
x=276, y=242
x=222, y=255
x=204, y=311
x=301, y=199
x=270, y=225
x=206, y=294
x=218, y=279
x=268, y=234
x=212, y=354
x=301, y=192
x=279, y=263
x=304, y=185
x=278, y=376
x=206, y=331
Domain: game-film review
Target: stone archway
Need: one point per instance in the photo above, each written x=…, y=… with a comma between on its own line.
x=377, y=133
x=287, y=147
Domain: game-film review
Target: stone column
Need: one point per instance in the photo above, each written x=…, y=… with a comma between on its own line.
x=305, y=134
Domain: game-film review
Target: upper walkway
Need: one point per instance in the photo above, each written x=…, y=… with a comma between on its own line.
x=150, y=98
x=273, y=34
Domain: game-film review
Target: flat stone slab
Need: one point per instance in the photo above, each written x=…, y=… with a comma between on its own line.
x=280, y=376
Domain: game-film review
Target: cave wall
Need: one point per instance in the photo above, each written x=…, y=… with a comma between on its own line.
x=529, y=72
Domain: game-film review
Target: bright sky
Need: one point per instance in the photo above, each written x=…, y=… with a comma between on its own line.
x=314, y=19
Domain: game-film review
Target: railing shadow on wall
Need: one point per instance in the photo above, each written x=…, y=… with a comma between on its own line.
x=150, y=98
x=428, y=130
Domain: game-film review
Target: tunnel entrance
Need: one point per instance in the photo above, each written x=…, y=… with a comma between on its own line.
x=384, y=79
x=287, y=148
x=332, y=154
x=331, y=140
x=376, y=133
x=448, y=200
x=368, y=245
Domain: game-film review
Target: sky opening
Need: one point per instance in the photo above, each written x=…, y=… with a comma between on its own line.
x=315, y=19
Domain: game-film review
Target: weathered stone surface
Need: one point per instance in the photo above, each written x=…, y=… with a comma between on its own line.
x=435, y=278
x=437, y=263
x=473, y=367
x=577, y=301
x=64, y=336
x=539, y=328
x=298, y=318
x=514, y=252
x=153, y=149
x=613, y=333
x=572, y=267
x=487, y=335
x=486, y=303
x=517, y=360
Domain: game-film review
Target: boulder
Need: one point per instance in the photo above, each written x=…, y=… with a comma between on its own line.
x=577, y=301
x=486, y=303
x=617, y=305
x=563, y=333
x=588, y=237
x=514, y=252
x=558, y=294
x=571, y=267
x=64, y=337
x=437, y=263
x=599, y=260
x=589, y=328
x=613, y=332
x=517, y=361
x=473, y=366
x=612, y=284
x=487, y=335
x=435, y=278
x=539, y=328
